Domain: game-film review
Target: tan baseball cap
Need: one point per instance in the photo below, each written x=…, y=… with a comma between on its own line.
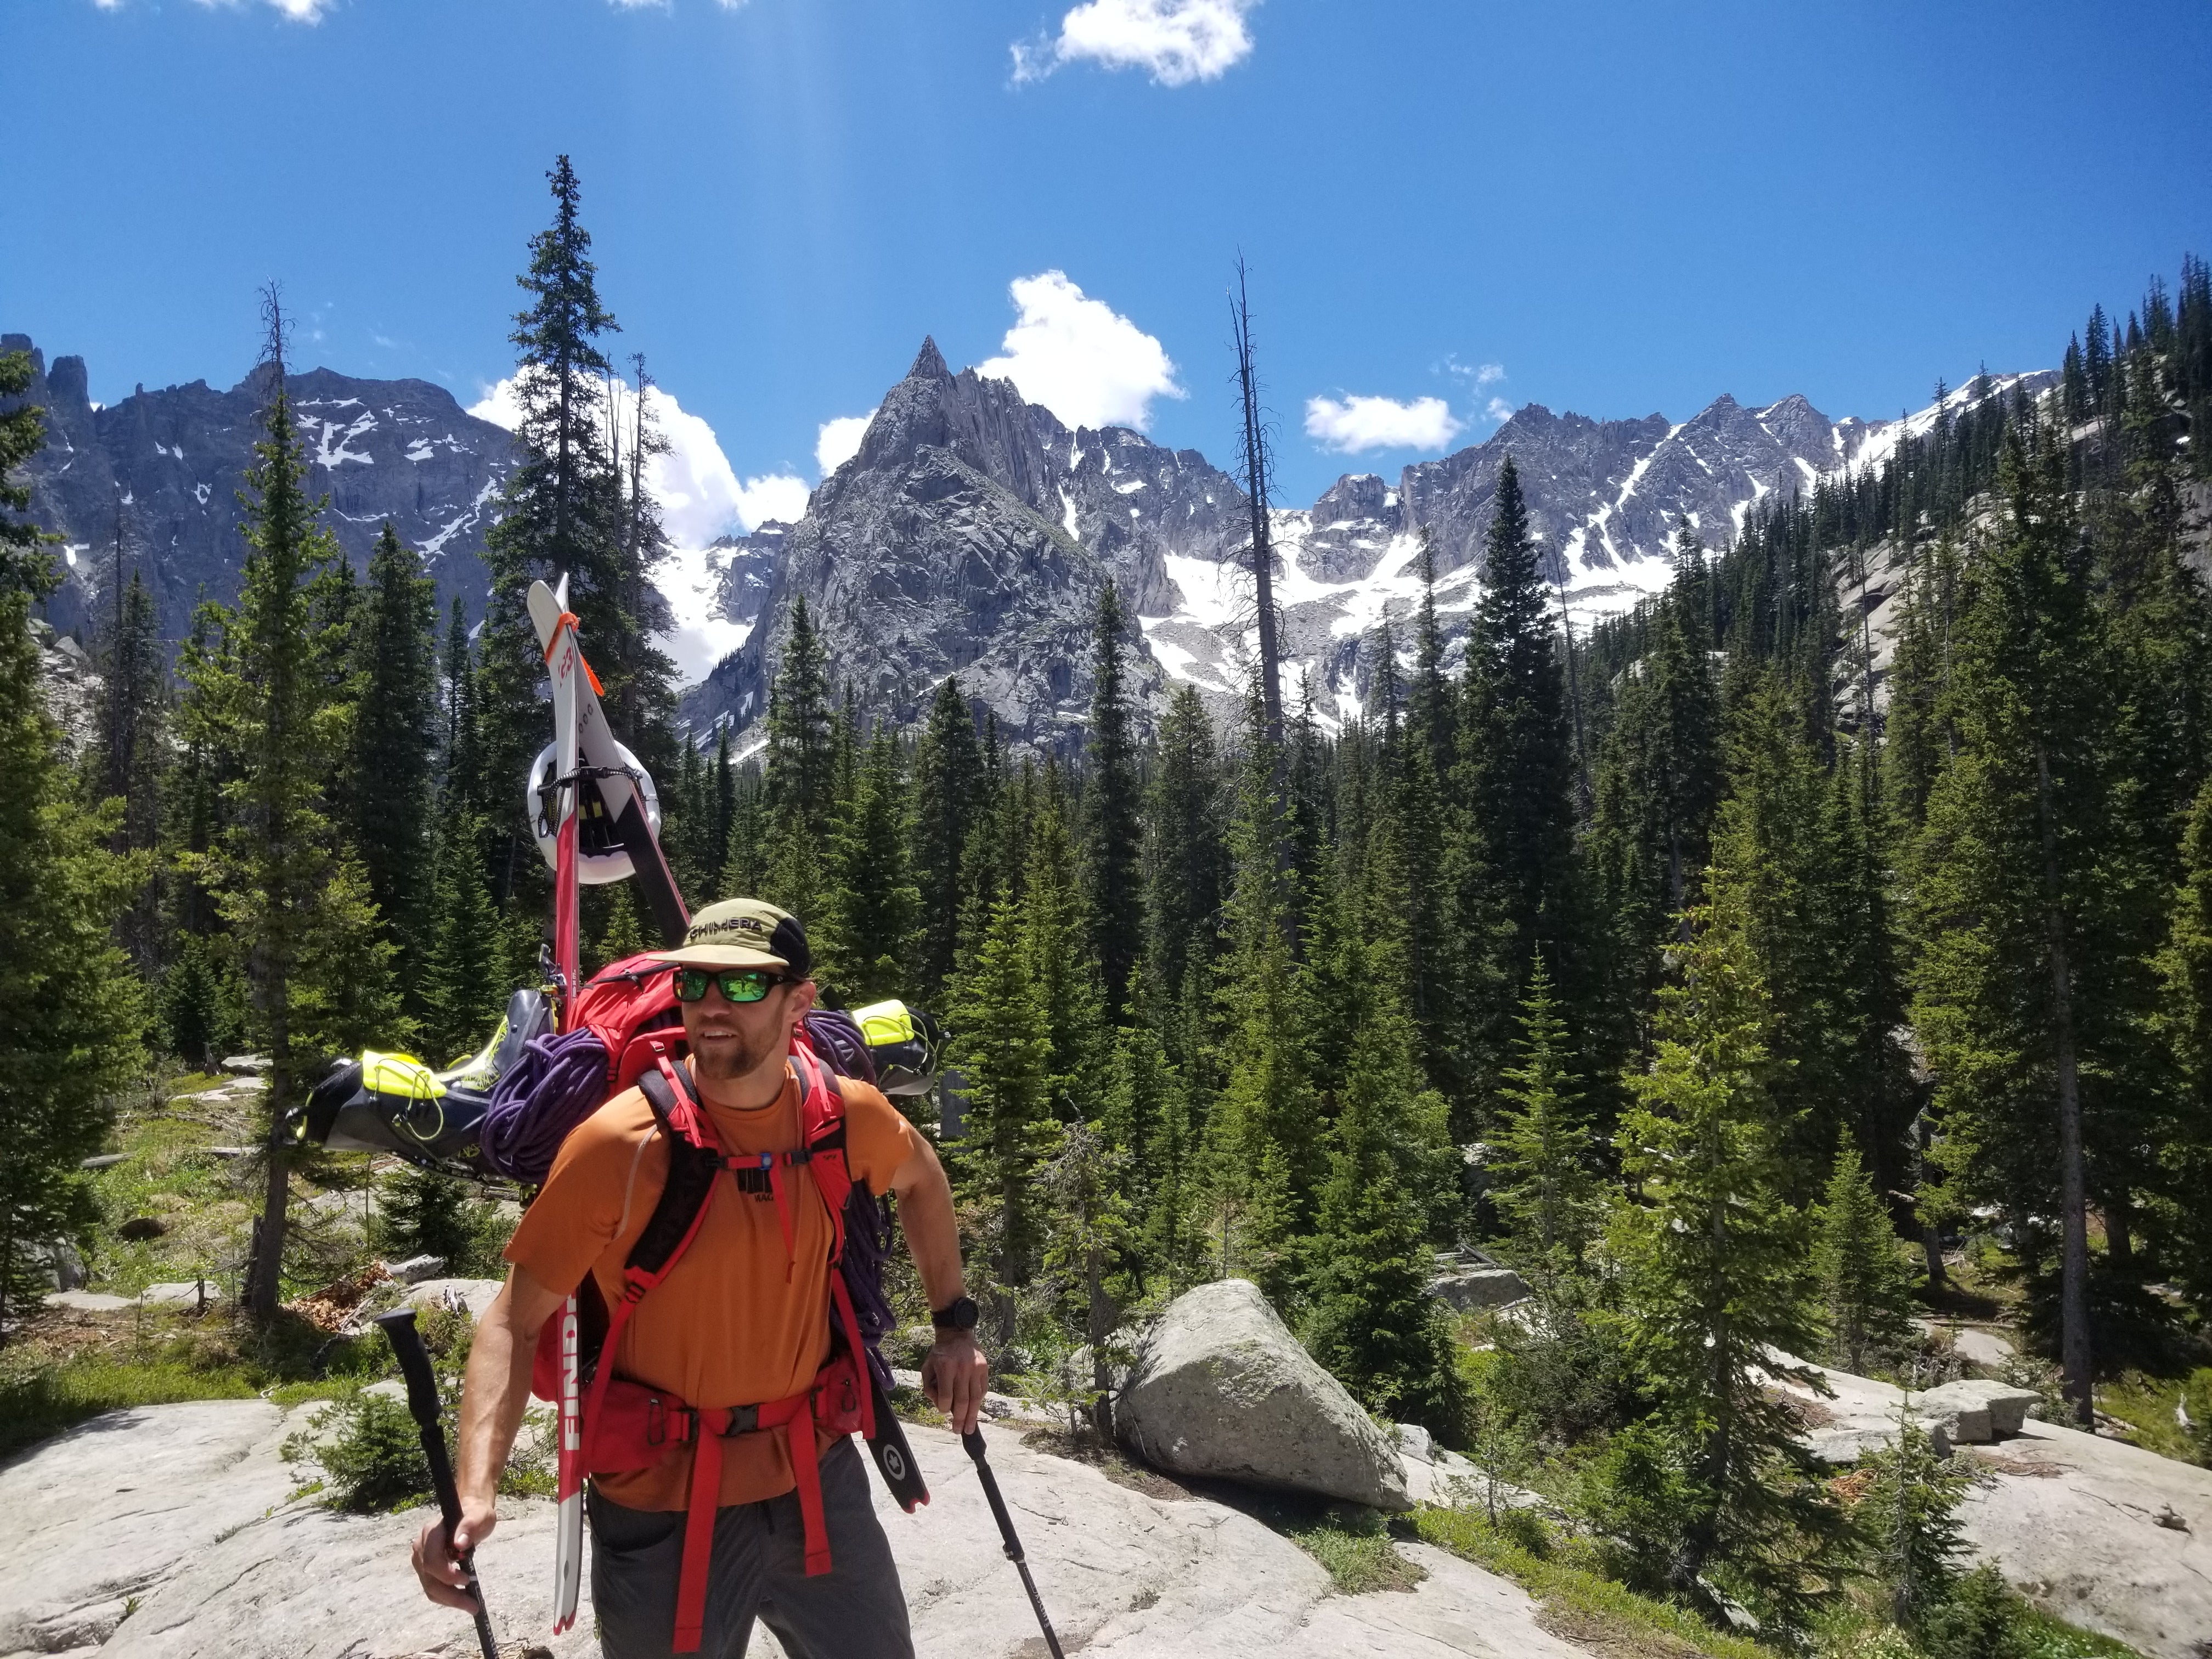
x=744, y=932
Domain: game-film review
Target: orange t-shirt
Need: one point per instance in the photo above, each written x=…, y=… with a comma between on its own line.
x=738, y=1322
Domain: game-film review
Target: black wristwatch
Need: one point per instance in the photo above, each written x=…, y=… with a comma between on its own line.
x=960, y=1316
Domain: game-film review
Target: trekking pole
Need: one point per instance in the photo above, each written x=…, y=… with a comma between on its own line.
x=972, y=1440
x=423, y=1406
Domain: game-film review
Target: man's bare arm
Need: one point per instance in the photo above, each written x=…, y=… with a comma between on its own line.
x=956, y=1374
x=493, y=1396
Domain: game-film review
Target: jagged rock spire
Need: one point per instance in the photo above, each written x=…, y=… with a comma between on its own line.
x=928, y=362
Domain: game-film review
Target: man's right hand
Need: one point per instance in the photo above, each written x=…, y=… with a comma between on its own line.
x=438, y=1564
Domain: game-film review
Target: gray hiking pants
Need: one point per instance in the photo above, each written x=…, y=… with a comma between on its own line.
x=855, y=1611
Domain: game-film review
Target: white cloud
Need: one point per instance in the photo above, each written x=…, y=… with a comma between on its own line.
x=1356, y=423
x=300, y=11
x=1174, y=41
x=1499, y=410
x=1077, y=357
x=700, y=493
x=1489, y=373
x=839, y=441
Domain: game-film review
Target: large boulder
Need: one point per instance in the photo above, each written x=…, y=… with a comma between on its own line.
x=1467, y=1279
x=1975, y=1410
x=1219, y=1387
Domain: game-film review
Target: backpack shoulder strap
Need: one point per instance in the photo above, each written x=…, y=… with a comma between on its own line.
x=821, y=1129
x=691, y=1172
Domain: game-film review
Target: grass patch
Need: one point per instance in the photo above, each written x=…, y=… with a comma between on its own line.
x=1579, y=1603
x=1355, y=1546
x=2146, y=1405
x=39, y=1403
x=194, y=1083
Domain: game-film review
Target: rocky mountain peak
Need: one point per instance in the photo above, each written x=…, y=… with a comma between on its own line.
x=928, y=362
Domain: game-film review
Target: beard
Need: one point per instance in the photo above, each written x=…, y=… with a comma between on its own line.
x=732, y=1055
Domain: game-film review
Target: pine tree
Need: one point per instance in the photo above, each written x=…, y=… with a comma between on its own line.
x=1112, y=836
x=1551, y=1199
x=873, y=908
x=1715, y=1256
x=1865, y=1290
x=421, y=1213
x=2032, y=987
x=461, y=782
x=395, y=734
x=1660, y=779
x=1264, y=1157
x=1003, y=1052
x=71, y=1010
x=799, y=770
x=562, y=510
x=1185, y=878
x=1374, y=1323
x=1057, y=937
x=620, y=937
x=1909, y=1516
x=24, y=568
x=1512, y=872
x=1793, y=841
x=459, y=986
x=949, y=804
x=132, y=750
x=2185, y=1023
x=1088, y=1229
x=278, y=883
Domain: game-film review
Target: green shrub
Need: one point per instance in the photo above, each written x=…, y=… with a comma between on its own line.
x=370, y=1451
x=1638, y=1497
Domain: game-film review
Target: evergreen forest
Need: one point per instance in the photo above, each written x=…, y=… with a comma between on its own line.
x=1746, y=972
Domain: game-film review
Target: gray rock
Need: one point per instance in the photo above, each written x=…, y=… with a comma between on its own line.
x=1414, y=1442
x=2004, y=1407
x=182, y=1293
x=1219, y=1387
x=1979, y=1347
x=474, y=1294
x=1469, y=1288
x=245, y=1064
x=104, y=1161
x=56, y=1262
x=416, y=1268
x=90, y=1301
x=220, y=1565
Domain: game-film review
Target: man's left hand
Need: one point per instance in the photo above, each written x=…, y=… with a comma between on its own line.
x=955, y=1376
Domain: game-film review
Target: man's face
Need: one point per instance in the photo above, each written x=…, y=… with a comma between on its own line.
x=730, y=1039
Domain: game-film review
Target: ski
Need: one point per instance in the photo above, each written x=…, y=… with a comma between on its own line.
x=564, y=667
x=598, y=753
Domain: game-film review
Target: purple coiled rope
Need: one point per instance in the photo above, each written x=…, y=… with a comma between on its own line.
x=867, y=1243
x=555, y=1084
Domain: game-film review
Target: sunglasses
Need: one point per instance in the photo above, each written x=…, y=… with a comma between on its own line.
x=736, y=984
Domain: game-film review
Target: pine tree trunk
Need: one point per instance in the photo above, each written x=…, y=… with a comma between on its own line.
x=2074, y=1219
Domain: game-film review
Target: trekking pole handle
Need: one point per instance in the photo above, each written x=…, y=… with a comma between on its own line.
x=430, y=1420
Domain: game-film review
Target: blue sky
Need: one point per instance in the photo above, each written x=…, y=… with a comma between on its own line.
x=1612, y=208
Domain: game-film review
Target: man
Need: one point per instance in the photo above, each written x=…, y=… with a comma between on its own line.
x=742, y=1319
